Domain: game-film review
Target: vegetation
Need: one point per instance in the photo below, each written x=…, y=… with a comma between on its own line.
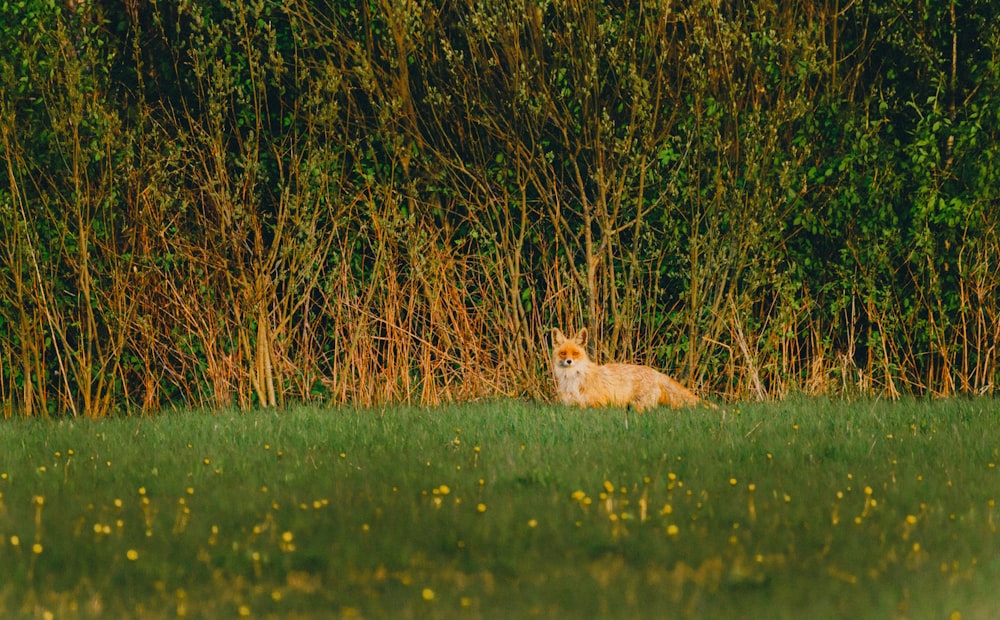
x=259, y=203
x=808, y=508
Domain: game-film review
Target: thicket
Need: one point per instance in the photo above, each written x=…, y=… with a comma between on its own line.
x=251, y=203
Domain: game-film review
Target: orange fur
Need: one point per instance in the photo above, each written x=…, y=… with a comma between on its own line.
x=581, y=382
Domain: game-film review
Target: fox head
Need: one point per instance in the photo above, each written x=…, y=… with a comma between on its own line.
x=569, y=352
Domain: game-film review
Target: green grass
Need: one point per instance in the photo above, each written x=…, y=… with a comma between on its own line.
x=809, y=508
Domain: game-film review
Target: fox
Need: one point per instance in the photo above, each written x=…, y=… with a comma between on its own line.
x=581, y=382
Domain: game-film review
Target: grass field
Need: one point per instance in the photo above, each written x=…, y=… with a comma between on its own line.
x=808, y=508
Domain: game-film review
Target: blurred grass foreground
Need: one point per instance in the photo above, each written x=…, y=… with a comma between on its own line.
x=802, y=509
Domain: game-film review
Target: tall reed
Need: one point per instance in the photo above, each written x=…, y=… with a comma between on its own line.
x=252, y=204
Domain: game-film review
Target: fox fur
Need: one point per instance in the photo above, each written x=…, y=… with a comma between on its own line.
x=581, y=382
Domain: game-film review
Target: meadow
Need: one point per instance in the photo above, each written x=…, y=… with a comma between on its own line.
x=804, y=508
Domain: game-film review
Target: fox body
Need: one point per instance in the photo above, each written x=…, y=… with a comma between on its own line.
x=581, y=382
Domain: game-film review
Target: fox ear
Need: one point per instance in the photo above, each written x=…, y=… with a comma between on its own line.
x=581, y=336
x=557, y=337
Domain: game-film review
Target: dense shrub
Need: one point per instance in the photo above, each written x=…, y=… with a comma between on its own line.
x=254, y=203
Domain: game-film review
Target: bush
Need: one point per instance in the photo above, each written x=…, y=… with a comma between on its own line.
x=255, y=203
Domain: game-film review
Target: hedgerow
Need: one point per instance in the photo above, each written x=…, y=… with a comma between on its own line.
x=251, y=204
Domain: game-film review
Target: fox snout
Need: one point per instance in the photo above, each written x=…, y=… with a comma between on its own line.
x=566, y=359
